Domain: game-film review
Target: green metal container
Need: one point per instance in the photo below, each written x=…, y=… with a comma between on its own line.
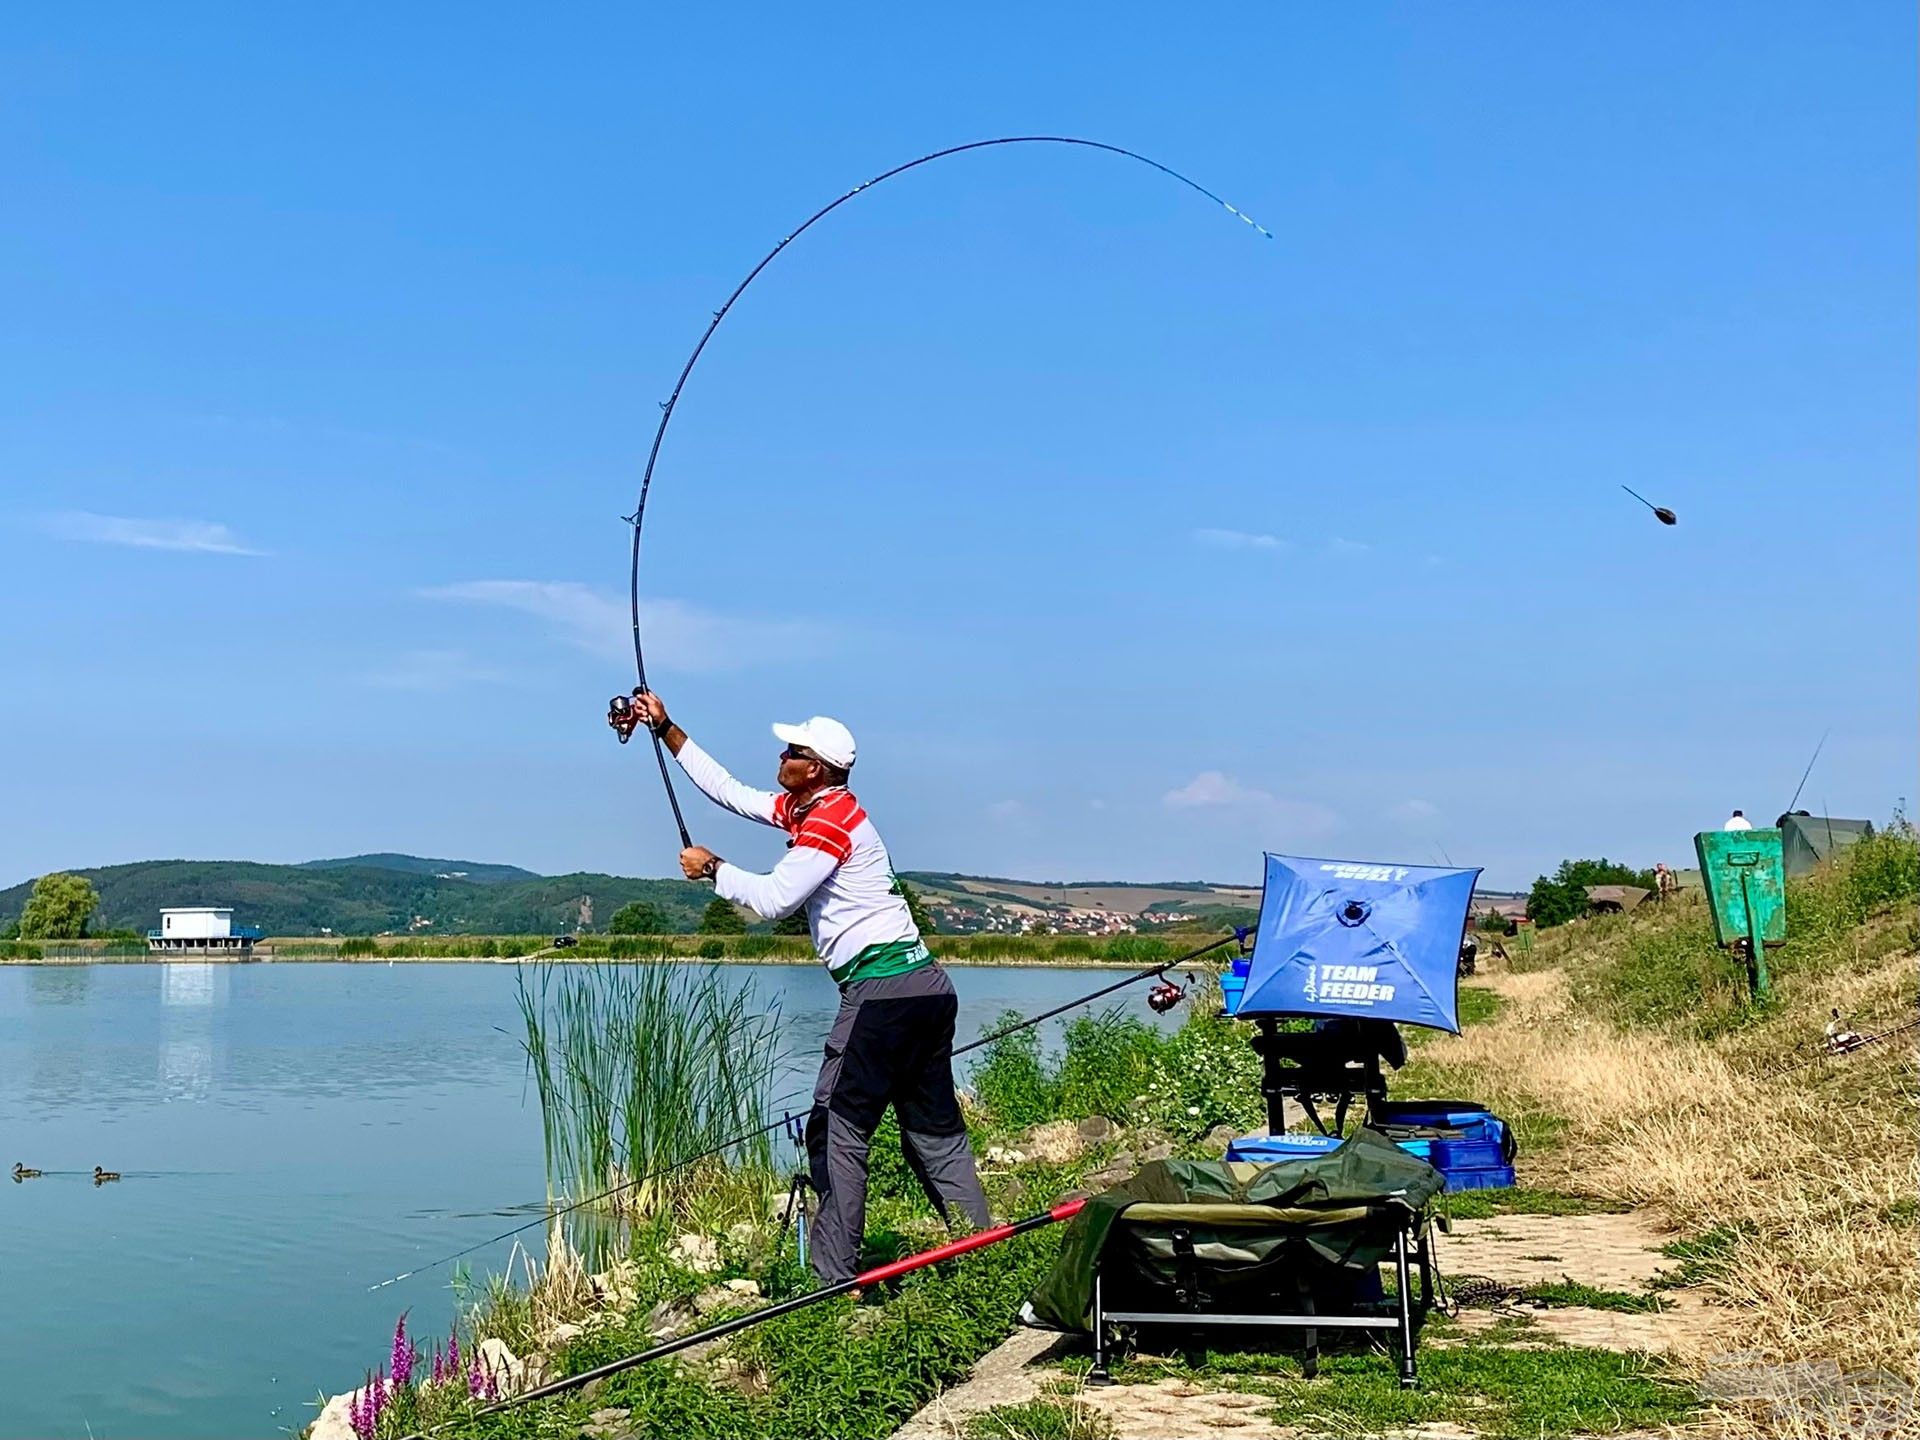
x=1744, y=874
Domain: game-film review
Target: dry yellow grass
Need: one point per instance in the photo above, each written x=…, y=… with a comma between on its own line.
x=1814, y=1170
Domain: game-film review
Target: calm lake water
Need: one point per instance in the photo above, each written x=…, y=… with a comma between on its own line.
x=289, y=1135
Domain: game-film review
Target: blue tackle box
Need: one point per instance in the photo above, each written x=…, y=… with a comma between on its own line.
x=1468, y=1144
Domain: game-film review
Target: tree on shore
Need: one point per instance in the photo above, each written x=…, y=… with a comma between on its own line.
x=59, y=908
x=922, y=921
x=794, y=924
x=720, y=918
x=637, y=917
x=1562, y=896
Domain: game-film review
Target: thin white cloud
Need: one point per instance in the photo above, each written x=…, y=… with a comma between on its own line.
x=1415, y=812
x=1215, y=790
x=205, y=537
x=431, y=671
x=678, y=636
x=1238, y=540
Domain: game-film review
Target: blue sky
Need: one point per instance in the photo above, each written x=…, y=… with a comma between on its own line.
x=1129, y=544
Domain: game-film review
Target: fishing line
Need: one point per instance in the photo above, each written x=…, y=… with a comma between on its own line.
x=788, y=1117
x=1804, y=774
x=638, y=519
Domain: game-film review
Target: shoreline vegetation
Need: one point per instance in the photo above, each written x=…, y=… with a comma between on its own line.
x=1623, y=1048
x=1065, y=951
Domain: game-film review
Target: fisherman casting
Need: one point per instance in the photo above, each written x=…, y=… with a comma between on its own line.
x=892, y=1041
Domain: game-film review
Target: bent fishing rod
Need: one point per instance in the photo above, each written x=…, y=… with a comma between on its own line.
x=878, y=1275
x=620, y=714
x=547, y=1217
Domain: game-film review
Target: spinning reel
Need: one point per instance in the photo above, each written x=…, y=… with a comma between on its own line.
x=1164, y=996
x=623, y=715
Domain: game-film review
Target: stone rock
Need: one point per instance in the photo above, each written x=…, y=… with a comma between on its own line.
x=1106, y=1179
x=1004, y=1155
x=562, y=1332
x=749, y=1288
x=741, y=1233
x=1162, y=1151
x=1219, y=1138
x=1098, y=1130
x=669, y=1318
x=699, y=1253
x=508, y=1370
x=1057, y=1142
x=332, y=1423
x=618, y=1285
x=714, y=1297
x=1124, y=1160
x=605, y=1423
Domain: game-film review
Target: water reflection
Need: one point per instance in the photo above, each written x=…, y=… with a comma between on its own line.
x=186, y=1067
x=58, y=984
x=192, y=984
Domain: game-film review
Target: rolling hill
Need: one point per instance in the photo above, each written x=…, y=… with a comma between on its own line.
x=376, y=893
x=368, y=894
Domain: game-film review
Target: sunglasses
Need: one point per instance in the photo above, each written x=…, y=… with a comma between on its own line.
x=794, y=752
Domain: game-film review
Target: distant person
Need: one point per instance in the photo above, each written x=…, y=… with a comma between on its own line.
x=892, y=1041
x=1737, y=821
x=1664, y=880
x=1469, y=953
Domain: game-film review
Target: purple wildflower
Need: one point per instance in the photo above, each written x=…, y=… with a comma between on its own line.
x=405, y=1354
x=453, y=1353
x=360, y=1412
x=476, y=1379
x=439, y=1371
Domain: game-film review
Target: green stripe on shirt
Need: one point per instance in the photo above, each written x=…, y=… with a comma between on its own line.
x=895, y=957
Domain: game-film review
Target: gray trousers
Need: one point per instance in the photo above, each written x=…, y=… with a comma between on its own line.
x=891, y=1044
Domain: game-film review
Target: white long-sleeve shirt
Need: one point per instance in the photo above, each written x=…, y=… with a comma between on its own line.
x=836, y=866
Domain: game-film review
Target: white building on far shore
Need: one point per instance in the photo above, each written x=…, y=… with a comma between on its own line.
x=201, y=930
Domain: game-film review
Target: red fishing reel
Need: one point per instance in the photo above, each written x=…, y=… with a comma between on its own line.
x=623, y=715
x=1164, y=996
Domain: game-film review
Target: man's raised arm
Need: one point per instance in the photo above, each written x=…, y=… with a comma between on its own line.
x=701, y=768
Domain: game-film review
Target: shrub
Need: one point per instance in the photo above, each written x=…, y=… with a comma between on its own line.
x=713, y=949
x=1205, y=1075
x=1882, y=870
x=1011, y=1080
x=1561, y=897
x=1109, y=1062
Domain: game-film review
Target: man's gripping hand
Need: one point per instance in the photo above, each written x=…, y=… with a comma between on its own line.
x=652, y=710
x=698, y=863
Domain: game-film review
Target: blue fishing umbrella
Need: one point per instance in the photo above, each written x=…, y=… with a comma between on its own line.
x=1349, y=939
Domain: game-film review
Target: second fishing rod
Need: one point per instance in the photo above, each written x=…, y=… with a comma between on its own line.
x=789, y=1119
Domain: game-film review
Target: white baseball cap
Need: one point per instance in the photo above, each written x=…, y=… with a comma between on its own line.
x=828, y=739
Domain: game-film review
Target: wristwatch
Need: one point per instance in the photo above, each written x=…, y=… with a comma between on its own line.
x=711, y=868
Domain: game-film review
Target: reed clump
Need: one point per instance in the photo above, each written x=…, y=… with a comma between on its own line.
x=637, y=1067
